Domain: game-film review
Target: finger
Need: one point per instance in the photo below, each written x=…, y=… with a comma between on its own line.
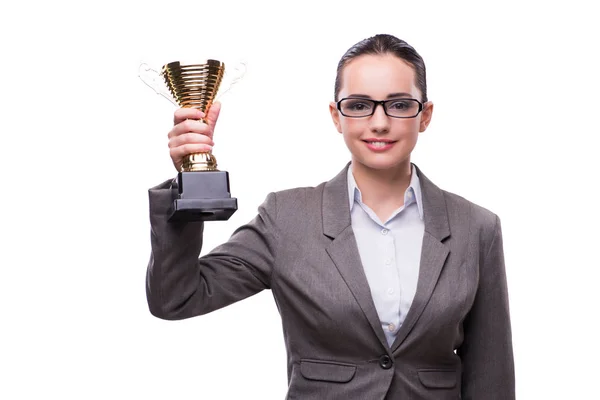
x=190, y=125
x=183, y=113
x=213, y=114
x=177, y=153
x=190, y=138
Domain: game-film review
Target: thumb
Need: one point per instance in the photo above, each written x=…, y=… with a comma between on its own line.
x=213, y=114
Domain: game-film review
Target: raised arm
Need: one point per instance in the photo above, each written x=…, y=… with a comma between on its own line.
x=179, y=284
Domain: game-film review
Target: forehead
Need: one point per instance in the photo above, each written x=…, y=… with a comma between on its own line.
x=377, y=76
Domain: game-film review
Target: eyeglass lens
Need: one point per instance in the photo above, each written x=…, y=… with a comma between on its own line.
x=403, y=108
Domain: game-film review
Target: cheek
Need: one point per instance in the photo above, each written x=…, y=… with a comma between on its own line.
x=352, y=126
x=407, y=128
x=346, y=131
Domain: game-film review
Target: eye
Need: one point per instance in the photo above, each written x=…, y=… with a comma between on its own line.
x=401, y=105
x=357, y=105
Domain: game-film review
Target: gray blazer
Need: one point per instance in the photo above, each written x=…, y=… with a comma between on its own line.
x=454, y=344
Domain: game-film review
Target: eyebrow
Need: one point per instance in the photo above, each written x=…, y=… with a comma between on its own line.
x=389, y=96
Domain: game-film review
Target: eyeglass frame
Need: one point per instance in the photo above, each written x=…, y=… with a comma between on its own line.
x=378, y=102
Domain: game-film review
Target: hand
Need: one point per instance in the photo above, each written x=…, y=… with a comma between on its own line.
x=189, y=135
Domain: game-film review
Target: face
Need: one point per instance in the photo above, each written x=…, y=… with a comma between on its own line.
x=380, y=142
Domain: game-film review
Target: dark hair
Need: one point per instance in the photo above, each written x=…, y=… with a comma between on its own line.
x=380, y=45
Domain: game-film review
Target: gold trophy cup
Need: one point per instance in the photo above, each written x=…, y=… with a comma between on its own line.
x=202, y=190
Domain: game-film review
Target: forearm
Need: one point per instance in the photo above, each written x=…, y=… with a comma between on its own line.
x=172, y=275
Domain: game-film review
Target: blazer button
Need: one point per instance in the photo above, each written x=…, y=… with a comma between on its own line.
x=385, y=362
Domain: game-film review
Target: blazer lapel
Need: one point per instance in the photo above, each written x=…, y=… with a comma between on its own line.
x=433, y=253
x=343, y=249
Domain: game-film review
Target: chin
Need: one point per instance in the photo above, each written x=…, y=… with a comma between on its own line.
x=381, y=163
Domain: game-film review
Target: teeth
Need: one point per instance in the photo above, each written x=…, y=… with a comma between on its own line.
x=378, y=144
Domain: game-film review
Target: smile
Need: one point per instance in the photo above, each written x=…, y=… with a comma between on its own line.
x=379, y=145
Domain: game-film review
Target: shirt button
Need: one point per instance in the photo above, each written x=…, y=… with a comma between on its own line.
x=390, y=291
x=409, y=194
x=388, y=261
x=384, y=231
x=391, y=327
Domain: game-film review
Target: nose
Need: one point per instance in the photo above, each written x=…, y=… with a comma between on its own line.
x=379, y=121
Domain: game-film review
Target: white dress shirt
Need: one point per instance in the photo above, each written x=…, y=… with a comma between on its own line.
x=390, y=252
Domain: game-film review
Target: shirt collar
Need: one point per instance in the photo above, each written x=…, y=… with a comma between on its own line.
x=412, y=193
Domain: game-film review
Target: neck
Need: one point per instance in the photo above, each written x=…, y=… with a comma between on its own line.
x=382, y=188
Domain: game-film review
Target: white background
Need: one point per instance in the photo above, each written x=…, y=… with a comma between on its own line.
x=82, y=139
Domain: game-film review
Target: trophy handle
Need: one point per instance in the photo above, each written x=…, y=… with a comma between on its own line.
x=154, y=81
x=232, y=77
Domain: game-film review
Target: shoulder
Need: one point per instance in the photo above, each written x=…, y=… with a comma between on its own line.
x=301, y=203
x=457, y=204
x=295, y=212
x=467, y=216
x=459, y=209
x=297, y=199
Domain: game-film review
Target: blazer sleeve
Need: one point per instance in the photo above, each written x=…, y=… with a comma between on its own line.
x=486, y=352
x=181, y=285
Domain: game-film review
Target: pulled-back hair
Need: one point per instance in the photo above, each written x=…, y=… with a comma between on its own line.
x=380, y=45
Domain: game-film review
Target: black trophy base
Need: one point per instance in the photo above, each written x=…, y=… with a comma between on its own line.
x=203, y=196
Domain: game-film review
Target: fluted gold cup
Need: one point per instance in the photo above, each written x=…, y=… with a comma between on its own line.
x=195, y=86
x=203, y=192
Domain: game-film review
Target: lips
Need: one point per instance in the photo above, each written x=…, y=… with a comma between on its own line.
x=371, y=140
x=379, y=144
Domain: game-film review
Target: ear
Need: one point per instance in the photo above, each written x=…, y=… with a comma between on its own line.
x=426, y=116
x=335, y=116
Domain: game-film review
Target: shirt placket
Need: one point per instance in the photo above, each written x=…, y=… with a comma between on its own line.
x=391, y=289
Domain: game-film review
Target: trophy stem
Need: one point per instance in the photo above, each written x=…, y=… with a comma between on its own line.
x=199, y=162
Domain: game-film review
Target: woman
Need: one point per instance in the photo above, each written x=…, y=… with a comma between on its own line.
x=388, y=287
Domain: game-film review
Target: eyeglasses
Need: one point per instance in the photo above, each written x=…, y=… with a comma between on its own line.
x=355, y=107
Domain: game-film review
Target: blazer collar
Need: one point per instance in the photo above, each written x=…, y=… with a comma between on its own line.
x=336, y=215
x=414, y=186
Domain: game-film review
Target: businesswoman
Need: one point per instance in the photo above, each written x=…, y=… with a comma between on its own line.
x=388, y=286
